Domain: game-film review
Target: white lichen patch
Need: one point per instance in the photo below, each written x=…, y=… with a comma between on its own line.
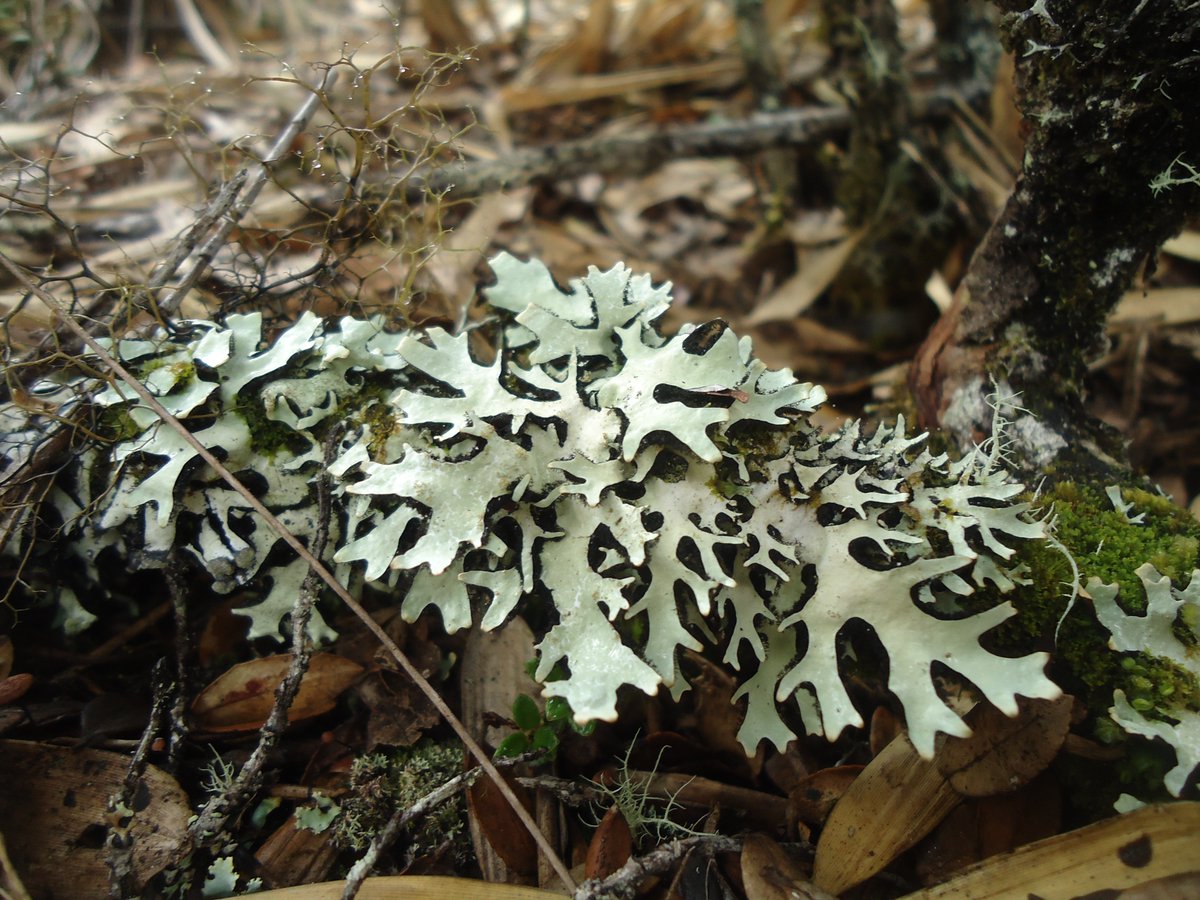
x=648, y=492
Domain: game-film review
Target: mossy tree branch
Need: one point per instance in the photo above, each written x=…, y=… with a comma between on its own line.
x=1105, y=90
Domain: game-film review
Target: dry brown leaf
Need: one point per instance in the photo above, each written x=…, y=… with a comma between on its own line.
x=613, y=84
x=952, y=846
x=1152, y=843
x=611, y=845
x=500, y=826
x=1004, y=753
x=815, y=271
x=13, y=687
x=768, y=873
x=814, y=797
x=6, y=655
x=718, y=716
x=720, y=185
x=591, y=39
x=54, y=817
x=453, y=265
x=990, y=825
x=896, y=800
x=241, y=698
x=398, y=713
x=446, y=26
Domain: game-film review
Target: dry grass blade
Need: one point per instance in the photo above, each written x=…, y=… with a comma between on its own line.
x=315, y=565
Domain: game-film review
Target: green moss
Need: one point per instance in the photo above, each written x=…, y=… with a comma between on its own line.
x=382, y=783
x=267, y=436
x=181, y=370
x=382, y=424
x=115, y=424
x=1105, y=545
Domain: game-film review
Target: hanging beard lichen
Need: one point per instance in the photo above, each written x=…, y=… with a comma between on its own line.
x=664, y=488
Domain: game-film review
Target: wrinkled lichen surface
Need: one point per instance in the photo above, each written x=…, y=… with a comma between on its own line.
x=648, y=493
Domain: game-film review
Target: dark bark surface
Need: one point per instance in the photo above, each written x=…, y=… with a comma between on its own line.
x=1109, y=93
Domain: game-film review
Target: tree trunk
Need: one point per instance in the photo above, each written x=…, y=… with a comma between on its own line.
x=1109, y=92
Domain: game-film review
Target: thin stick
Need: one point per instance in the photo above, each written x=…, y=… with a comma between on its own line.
x=642, y=152
x=225, y=210
x=210, y=823
x=314, y=564
x=254, y=177
x=626, y=881
x=401, y=817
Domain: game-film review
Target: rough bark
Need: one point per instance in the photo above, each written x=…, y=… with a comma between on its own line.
x=1108, y=91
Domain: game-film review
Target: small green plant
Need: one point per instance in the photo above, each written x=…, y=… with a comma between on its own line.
x=537, y=729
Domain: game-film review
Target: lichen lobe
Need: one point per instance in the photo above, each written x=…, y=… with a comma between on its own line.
x=612, y=474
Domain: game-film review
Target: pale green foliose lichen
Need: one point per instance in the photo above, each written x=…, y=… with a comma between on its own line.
x=594, y=467
x=1153, y=634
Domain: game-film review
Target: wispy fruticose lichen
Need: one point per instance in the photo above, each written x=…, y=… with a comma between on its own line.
x=628, y=483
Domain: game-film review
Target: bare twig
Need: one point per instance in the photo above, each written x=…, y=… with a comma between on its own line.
x=637, y=154
x=567, y=790
x=314, y=564
x=211, y=821
x=253, y=177
x=625, y=881
x=204, y=238
x=118, y=847
x=177, y=587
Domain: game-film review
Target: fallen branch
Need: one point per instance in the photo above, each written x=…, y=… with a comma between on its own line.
x=637, y=154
